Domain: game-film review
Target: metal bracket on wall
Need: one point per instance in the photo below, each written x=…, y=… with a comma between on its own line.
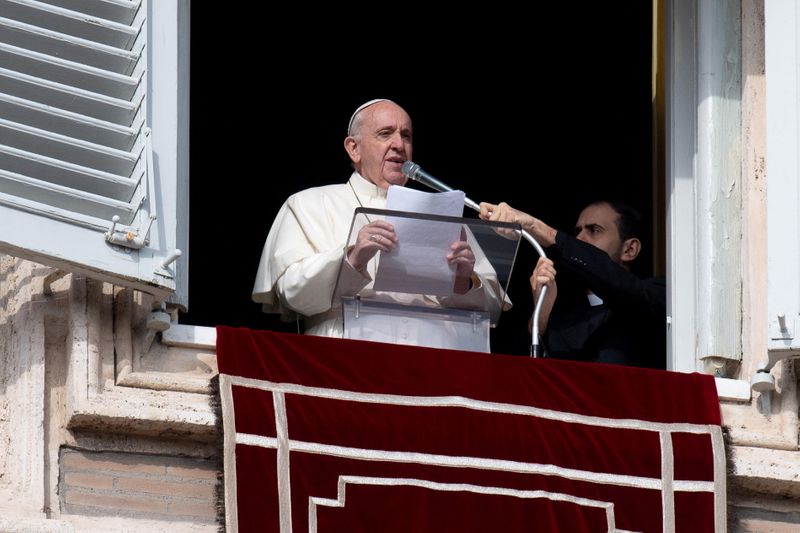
x=781, y=347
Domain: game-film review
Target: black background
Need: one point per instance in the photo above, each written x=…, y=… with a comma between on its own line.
x=545, y=113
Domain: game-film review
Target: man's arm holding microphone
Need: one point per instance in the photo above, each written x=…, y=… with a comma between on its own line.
x=545, y=273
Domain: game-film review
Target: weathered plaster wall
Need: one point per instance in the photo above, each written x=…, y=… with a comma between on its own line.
x=764, y=484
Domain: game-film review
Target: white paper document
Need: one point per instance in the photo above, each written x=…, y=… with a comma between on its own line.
x=418, y=264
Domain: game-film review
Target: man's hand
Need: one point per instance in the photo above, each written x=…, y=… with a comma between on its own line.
x=461, y=255
x=372, y=238
x=502, y=212
x=544, y=275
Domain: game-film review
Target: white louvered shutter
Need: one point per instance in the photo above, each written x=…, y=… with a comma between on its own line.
x=94, y=129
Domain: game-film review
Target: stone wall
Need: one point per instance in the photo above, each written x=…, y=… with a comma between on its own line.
x=134, y=485
x=103, y=426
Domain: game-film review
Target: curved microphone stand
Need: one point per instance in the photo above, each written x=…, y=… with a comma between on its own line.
x=412, y=171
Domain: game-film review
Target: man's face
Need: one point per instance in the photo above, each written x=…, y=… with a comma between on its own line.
x=383, y=145
x=597, y=226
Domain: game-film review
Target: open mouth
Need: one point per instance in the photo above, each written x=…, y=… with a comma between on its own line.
x=396, y=161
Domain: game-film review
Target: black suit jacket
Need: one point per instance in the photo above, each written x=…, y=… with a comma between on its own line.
x=628, y=328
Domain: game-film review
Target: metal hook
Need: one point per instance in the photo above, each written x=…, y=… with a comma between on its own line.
x=114, y=221
x=171, y=258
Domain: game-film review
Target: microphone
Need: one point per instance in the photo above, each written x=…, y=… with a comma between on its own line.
x=413, y=171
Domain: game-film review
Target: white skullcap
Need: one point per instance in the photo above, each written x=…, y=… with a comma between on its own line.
x=362, y=107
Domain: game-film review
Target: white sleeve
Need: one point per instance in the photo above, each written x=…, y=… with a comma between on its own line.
x=301, y=259
x=308, y=285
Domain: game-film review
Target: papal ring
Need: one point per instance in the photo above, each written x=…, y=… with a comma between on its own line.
x=374, y=237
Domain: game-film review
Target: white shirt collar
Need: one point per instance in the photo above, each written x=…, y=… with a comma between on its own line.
x=594, y=300
x=365, y=188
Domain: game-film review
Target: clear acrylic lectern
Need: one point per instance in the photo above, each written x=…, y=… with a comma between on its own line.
x=412, y=296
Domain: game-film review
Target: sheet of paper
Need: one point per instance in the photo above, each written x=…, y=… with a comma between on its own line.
x=418, y=263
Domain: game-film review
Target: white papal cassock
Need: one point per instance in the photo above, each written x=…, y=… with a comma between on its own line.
x=305, y=249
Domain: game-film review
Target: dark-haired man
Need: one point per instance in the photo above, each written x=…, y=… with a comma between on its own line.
x=597, y=310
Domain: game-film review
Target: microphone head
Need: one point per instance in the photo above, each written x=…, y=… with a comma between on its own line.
x=410, y=169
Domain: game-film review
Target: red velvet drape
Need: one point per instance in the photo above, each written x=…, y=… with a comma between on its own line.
x=398, y=438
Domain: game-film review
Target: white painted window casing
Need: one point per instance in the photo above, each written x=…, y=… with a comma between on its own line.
x=94, y=126
x=703, y=177
x=681, y=117
x=782, y=65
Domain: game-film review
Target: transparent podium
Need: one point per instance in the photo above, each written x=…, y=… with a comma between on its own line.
x=412, y=296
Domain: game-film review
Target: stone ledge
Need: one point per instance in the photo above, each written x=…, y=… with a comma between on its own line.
x=10, y=524
x=765, y=470
x=185, y=336
x=82, y=524
x=147, y=413
x=735, y=390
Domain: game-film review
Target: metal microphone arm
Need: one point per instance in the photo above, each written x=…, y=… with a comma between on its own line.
x=536, y=348
x=413, y=171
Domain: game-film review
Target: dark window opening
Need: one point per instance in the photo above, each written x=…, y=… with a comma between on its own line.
x=516, y=119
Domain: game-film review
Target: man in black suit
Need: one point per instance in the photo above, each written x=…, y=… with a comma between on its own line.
x=597, y=309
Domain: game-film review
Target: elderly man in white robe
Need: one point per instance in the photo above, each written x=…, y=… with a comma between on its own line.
x=307, y=244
